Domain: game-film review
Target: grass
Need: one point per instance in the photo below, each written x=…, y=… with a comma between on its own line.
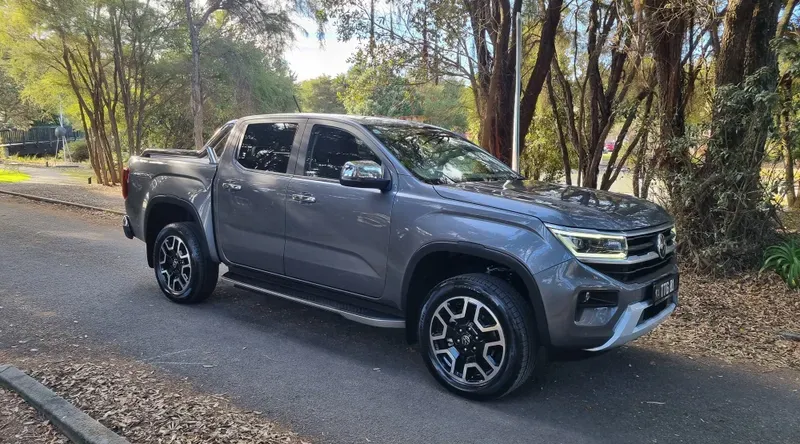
x=34, y=160
x=80, y=173
x=10, y=176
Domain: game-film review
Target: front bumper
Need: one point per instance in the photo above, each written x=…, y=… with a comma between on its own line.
x=633, y=316
x=628, y=327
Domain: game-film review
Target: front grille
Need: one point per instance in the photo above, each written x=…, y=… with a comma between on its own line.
x=638, y=247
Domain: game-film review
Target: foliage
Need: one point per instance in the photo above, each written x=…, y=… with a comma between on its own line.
x=242, y=80
x=723, y=207
x=541, y=159
x=784, y=259
x=374, y=89
x=16, y=111
x=432, y=40
x=442, y=105
x=321, y=95
x=78, y=151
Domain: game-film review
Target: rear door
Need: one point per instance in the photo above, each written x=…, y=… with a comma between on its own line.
x=250, y=192
x=335, y=235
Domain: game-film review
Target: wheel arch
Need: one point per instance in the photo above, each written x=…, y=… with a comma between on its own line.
x=164, y=210
x=412, y=302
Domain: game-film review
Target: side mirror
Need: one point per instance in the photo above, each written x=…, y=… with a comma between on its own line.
x=363, y=174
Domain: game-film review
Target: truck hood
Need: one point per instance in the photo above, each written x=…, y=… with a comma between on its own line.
x=560, y=204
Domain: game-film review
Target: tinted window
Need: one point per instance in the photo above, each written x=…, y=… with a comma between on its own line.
x=266, y=146
x=329, y=149
x=218, y=140
x=438, y=156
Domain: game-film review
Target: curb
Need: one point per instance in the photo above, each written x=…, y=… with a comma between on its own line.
x=79, y=427
x=62, y=202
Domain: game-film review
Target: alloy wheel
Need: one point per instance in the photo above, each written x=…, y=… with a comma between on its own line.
x=467, y=340
x=174, y=264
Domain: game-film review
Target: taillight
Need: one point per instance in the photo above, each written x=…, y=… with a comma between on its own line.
x=125, y=176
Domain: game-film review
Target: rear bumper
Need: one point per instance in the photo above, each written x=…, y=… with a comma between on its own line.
x=633, y=316
x=127, y=229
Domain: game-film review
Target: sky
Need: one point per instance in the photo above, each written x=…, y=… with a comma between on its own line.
x=308, y=59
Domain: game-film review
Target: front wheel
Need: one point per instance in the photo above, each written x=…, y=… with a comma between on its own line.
x=477, y=336
x=183, y=268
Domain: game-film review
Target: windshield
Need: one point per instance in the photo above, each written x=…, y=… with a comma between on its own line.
x=437, y=156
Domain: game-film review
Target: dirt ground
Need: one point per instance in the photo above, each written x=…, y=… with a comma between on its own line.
x=743, y=318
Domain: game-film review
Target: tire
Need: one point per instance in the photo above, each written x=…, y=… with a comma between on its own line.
x=495, y=303
x=179, y=251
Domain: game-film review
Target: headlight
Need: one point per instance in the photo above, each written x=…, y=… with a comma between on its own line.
x=592, y=245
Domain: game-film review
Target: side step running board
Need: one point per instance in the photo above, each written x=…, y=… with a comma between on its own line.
x=348, y=311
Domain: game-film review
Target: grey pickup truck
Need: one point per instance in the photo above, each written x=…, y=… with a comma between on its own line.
x=403, y=225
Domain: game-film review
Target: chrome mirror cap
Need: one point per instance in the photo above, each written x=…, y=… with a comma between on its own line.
x=364, y=174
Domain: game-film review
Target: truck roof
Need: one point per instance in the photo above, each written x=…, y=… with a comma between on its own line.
x=362, y=120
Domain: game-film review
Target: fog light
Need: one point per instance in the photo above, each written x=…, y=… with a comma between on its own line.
x=594, y=317
x=595, y=307
x=597, y=298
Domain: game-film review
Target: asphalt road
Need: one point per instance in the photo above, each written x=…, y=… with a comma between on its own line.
x=339, y=381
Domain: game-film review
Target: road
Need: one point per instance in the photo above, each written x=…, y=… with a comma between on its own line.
x=342, y=382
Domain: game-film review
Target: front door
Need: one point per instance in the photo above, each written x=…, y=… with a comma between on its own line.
x=250, y=193
x=335, y=235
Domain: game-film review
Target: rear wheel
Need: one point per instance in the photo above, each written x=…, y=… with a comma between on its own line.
x=477, y=336
x=184, y=271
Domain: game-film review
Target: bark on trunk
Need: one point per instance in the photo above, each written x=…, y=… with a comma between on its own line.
x=562, y=140
x=787, y=142
x=666, y=31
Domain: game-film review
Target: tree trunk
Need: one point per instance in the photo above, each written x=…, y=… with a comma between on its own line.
x=666, y=32
x=787, y=142
x=544, y=57
x=196, y=98
x=562, y=140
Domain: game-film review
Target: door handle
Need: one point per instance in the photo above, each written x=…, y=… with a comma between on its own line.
x=304, y=198
x=231, y=186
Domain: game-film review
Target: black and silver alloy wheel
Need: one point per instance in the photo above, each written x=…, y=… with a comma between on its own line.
x=468, y=340
x=174, y=264
x=184, y=270
x=478, y=336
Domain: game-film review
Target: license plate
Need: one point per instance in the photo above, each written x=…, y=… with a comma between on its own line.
x=664, y=288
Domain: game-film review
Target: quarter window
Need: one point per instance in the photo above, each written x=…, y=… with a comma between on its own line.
x=329, y=148
x=267, y=146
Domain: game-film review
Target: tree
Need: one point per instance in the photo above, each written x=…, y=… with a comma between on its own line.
x=246, y=79
x=15, y=110
x=68, y=40
x=787, y=43
x=717, y=194
x=468, y=39
x=255, y=15
x=374, y=89
x=321, y=94
x=593, y=98
x=442, y=105
x=105, y=55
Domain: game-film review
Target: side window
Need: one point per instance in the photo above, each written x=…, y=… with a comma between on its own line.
x=267, y=146
x=329, y=148
x=221, y=138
